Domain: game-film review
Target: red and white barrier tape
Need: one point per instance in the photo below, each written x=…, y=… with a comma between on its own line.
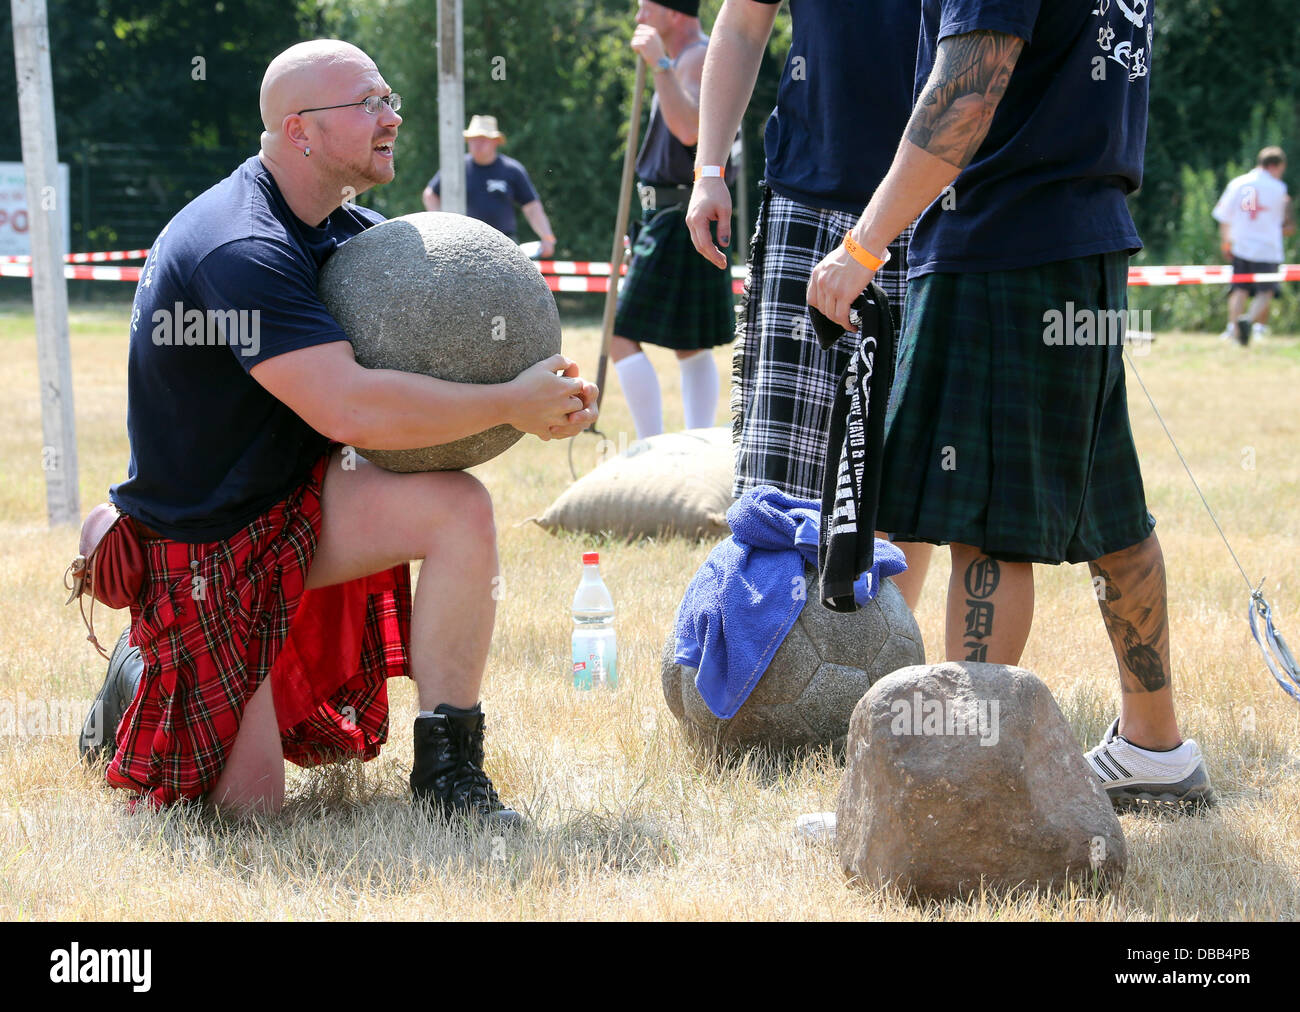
x=1138, y=276
x=86, y=258
x=1217, y=275
x=76, y=272
x=598, y=285
x=593, y=276
x=565, y=268
x=574, y=267
x=568, y=276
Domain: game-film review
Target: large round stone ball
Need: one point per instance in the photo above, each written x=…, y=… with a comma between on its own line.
x=806, y=697
x=447, y=296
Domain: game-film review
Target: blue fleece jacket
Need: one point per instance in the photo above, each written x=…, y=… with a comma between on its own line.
x=749, y=592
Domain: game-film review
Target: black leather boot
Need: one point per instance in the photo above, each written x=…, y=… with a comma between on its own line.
x=99, y=732
x=448, y=770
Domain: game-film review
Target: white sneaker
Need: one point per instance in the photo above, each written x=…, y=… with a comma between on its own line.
x=1258, y=330
x=1229, y=333
x=816, y=827
x=1137, y=777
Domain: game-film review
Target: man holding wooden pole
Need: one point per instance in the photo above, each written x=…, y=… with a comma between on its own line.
x=670, y=297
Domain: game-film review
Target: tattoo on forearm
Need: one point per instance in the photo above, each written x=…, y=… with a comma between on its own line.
x=981, y=579
x=1141, y=658
x=970, y=77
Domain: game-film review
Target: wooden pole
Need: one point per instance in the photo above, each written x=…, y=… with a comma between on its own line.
x=620, y=229
x=49, y=286
x=451, y=105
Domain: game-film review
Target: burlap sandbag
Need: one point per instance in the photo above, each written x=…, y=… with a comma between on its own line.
x=676, y=483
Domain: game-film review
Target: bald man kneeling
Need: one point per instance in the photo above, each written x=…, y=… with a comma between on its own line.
x=277, y=597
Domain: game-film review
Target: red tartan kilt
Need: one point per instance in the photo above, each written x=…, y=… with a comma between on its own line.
x=213, y=620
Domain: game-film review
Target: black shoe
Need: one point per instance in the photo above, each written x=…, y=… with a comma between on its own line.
x=448, y=770
x=99, y=732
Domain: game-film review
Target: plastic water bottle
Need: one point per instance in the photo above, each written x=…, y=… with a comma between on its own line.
x=595, y=661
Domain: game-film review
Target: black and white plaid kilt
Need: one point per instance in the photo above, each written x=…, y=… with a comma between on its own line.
x=782, y=382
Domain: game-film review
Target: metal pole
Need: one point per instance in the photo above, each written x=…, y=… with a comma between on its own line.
x=451, y=105
x=49, y=286
x=85, y=198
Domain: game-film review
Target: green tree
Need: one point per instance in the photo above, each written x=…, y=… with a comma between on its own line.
x=558, y=77
x=1224, y=79
x=158, y=100
x=154, y=102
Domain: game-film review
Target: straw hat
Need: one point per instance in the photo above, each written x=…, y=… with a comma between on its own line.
x=484, y=126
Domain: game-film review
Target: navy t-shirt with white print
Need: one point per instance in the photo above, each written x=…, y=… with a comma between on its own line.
x=1065, y=145
x=230, y=282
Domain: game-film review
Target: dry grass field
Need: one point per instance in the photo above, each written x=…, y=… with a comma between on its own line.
x=628, y=826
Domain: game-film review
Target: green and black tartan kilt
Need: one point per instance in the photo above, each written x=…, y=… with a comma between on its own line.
x=672, y=296
x=999, y=437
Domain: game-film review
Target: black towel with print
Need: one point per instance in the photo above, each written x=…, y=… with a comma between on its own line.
x=854, y=448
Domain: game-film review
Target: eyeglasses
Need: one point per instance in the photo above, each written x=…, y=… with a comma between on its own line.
x=370, y=103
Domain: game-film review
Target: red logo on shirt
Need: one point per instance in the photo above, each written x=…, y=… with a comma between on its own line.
x=1250, y=202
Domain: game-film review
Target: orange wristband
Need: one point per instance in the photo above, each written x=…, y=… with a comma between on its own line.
x=866, y=258
x=708, y=171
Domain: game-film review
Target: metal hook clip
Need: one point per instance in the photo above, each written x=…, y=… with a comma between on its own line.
x=1277, y=654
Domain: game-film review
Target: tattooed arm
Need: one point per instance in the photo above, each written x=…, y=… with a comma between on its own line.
x=969, y=79
x=950, y=121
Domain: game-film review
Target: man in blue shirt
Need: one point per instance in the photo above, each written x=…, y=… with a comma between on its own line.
x=669, y=298
x=1008, y=433
x=495, y=184
x=276, y=593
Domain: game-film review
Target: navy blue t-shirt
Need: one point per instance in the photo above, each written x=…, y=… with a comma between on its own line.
x=1065, y=145
x=844, y=99
x=230, y=282
x=493, y=191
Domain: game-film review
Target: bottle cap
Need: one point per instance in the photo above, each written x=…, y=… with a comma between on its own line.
x=590, y=558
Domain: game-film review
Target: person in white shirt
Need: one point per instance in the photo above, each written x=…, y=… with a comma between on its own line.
x=1254, y=214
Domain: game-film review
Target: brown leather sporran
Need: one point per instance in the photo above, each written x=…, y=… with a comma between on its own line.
x=109, y=567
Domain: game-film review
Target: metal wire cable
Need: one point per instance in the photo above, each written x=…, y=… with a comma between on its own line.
x=1136, y=375
x=1280, y=661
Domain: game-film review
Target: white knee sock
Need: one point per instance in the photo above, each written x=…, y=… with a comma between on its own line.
x=699, y=389
x=636, y=374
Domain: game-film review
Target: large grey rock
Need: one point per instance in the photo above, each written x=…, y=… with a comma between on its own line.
x=962, y=772
x=807, y=695
x=447, y=296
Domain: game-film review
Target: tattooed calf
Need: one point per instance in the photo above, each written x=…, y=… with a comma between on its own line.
x=1140, y=657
